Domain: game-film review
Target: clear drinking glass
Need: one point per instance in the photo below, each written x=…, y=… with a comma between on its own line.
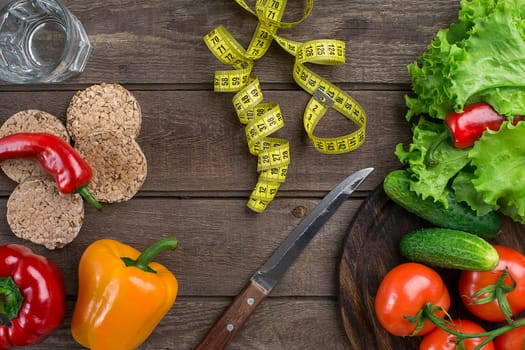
x=40, y=41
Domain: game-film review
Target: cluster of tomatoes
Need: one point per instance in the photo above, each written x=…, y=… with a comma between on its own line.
x=413, y=299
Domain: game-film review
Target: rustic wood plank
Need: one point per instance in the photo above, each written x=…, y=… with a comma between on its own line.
x=278, y=324
x=161, y=41
x=200, y=171
x=221, y=243
x=183, y=130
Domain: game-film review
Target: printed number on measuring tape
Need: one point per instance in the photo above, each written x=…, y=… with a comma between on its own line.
x=264, y=119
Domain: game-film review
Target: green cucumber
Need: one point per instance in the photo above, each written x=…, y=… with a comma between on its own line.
x=458, y=215
x=454, y=249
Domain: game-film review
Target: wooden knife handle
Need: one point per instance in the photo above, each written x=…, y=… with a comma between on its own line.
x=231, y=321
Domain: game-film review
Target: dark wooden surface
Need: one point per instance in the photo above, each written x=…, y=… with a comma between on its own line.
x=200, y=172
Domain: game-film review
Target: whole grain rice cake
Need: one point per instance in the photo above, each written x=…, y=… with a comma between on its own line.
x=38, y=212
x=106, y=107
x=31, y=120
x=118, y=163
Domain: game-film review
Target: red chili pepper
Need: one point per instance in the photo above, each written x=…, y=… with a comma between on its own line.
x=32, y=297
x=468, y=126
x=56, y=156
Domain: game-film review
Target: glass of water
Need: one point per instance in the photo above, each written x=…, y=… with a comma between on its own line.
x=41, y=41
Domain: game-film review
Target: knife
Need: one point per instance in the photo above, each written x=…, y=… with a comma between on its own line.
x=263, y=280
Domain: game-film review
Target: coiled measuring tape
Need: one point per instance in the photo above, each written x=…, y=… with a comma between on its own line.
x=263, y=119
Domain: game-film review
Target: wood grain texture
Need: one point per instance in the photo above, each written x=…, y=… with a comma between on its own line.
x=278, y=324
x=221, y=243
x=200, y=172
x=180, y=137
x=161, y=41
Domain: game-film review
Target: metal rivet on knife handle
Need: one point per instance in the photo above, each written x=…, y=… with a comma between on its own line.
x=231, y=321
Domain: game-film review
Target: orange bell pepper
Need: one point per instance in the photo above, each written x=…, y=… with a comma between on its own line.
x=122, y=294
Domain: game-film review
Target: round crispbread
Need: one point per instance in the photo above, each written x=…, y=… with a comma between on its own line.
x=105, y=106
x=38, y=212
x=118, y=163
x=31, y=120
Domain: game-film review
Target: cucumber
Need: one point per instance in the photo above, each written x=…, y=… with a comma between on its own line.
x=458, y=215
x=449, y=248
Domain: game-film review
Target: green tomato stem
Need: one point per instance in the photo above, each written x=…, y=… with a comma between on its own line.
x=428, y=311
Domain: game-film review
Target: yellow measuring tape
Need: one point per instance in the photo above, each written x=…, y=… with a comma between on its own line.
x=263, y=119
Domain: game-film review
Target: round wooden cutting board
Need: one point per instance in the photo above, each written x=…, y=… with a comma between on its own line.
x=370, y=250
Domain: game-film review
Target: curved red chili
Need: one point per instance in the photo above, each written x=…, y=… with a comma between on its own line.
x=56, y=156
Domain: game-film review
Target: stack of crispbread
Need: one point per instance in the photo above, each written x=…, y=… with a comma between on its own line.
x=103, y=122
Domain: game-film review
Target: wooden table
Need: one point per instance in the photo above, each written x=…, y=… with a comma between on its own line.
x=200, y=172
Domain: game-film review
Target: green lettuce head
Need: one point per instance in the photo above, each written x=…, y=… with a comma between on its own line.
x=481, y=58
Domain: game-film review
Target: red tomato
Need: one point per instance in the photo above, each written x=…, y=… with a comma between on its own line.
x=403, y=292
x=438, y=339
x=511, y=340
x=471, y=282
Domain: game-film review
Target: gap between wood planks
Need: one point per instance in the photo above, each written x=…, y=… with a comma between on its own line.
x=202, y=87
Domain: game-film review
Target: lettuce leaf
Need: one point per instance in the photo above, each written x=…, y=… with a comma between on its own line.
x=480, y=58
x=431, y=178
x=499, y=161
x=465, y=192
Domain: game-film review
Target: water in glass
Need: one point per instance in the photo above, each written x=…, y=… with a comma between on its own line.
x=40, y=41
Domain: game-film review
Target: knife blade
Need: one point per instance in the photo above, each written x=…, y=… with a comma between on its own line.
x=268, y=275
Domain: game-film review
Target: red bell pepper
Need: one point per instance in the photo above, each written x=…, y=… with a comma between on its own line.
x=32, y=297
x=467, y=127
